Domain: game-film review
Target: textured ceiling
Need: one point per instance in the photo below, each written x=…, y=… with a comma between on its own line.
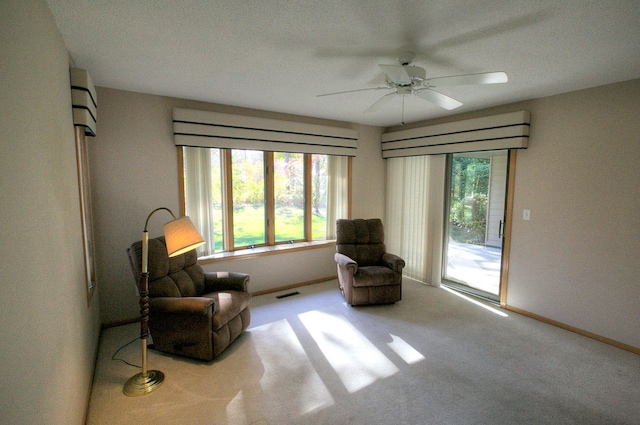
x=277, y=55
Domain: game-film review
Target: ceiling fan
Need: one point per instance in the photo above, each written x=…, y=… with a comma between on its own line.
x=406, y=79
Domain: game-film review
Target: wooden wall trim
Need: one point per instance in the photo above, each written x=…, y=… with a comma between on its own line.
x=579, y=331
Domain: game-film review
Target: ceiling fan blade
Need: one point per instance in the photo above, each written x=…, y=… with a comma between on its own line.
x=353, y=91
x=396, y=73
x=380, y=103
x=468, y=79
x=439, y=99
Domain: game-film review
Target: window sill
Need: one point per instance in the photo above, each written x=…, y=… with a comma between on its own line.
x=260, y=251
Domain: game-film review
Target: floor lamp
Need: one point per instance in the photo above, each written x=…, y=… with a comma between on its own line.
x=180, y=236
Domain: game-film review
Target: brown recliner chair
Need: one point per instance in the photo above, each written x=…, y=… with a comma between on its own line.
x=366, y=272
x=191, y=313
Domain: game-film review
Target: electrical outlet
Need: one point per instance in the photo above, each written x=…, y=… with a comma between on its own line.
x=526, y=215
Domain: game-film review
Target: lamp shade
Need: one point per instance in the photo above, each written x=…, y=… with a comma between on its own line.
x=181, y=236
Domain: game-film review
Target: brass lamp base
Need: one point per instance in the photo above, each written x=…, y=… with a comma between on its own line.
x=142, y=384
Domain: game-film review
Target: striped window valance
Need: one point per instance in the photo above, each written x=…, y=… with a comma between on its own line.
x=221, y=130
x=505, y=131
x=84, y=100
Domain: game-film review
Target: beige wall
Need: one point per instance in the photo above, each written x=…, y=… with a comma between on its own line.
x=48, y=335
x=576, y=261
x=134, y=168
x=369, y=172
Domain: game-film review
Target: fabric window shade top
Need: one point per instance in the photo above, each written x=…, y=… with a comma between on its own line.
x=229, y=131
x=84, y=100
x=497, y=132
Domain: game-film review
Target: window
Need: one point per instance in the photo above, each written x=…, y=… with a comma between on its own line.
x=319, y=176
x=242, y=199
x=248, y=198
x=289, y=196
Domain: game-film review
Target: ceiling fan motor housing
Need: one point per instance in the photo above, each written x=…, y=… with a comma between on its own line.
x=409, y=76
x=405, y=58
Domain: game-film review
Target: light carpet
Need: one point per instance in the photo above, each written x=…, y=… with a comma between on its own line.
x=433, y=358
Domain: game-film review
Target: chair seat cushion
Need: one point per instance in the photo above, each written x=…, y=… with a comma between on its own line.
x=230, y=304
x=376, y=276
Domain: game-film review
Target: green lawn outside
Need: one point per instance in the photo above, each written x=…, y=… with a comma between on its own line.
x=249, y=225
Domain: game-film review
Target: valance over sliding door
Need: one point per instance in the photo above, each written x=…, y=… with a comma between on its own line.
x=497, y=132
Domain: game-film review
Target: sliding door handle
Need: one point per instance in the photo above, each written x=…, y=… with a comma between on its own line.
x=500, y=228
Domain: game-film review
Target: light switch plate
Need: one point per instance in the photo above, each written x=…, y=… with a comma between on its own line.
x=526, y=214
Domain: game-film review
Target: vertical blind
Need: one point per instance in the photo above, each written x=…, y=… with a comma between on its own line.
x=413, y=227
x=199, y=204
x=337, y=187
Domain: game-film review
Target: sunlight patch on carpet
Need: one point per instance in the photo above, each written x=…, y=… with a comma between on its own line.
x=288, y=372
x=405, y=350
x=356, y=361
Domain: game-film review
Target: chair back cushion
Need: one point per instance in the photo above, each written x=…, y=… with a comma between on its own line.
x=179, y=276
x=361, y=240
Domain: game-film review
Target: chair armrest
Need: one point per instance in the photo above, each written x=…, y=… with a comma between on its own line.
x=226, y=281
x=192, y=305
x=346, y=262
x=394, y=262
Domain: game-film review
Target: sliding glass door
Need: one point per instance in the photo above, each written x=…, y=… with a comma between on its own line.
x=474, y=222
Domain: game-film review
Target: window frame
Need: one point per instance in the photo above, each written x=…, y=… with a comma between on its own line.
x=86, y=215
x=271, y=246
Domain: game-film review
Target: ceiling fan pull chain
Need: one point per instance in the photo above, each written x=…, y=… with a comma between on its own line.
x=402, y=110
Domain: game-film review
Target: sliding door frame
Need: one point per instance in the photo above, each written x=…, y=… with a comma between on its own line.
x=508, y=220
x=506, y=239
